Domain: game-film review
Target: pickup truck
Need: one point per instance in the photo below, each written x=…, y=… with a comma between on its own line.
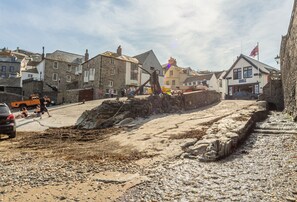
x=31, y=102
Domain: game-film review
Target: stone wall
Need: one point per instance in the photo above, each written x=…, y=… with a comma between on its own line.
x=193, y=100
x=9, y=97
x=117, y=77
x=113, y=112
x=226, y=134
x=273, y=95
x=31, y=86
x=107, y=70
x=71, y=96
x=288, y=62
x=63, y=70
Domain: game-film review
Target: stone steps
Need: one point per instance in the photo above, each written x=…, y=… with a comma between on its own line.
x=272, y=131
x=267, y=127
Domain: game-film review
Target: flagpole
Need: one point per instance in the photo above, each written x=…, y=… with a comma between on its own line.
x=258, y=50
x=258, y=70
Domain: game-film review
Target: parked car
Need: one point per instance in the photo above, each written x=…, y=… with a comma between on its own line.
x=7, y=121
x=243, y=95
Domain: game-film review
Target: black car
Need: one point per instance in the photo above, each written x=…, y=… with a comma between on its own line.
x=7, y=121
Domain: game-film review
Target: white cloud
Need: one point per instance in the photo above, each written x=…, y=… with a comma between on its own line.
x=198, y=33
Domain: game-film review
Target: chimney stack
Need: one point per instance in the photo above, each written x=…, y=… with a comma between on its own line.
x=119, y=50
x=86, y=55
x=42, y=56
x=172, y=61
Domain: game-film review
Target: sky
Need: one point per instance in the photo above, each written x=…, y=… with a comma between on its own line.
x=203, y=35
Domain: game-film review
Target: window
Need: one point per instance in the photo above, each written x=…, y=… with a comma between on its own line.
x=194, y=83
x=69, y=68
x=30, y=75
x=3, y=69
x=112, y=71
x=11, y=69
x=134, y=71
x=173, y=82
x=190, y=83
x=110, y=84
x=55, y=77
x=237, y=73
x=68, y=78
x=92, y=74
x=111, y=60
x=257, y=89
x=55, y=65
x=86, y=76
x=230, y=90
x=171, y=73
x=221, y=83
x=167, y=83
x=247, y=72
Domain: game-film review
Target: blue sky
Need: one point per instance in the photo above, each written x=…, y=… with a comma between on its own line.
x=204, y=35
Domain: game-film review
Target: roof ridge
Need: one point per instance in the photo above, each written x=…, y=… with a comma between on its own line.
x=252, y=59
x=66, y=52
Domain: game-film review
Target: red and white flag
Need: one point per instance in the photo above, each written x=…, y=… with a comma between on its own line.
x=255, y=51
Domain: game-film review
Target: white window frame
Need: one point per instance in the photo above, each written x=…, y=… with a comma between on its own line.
x=86, y=76
x=55, y=75
x=110, y=83
x=55, y=65
x=92, y=74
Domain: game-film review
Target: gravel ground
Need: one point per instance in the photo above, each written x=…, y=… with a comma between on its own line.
x=264, y=168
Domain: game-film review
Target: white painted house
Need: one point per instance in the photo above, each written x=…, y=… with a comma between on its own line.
x=148, y=63
x=247, y=74
x=208, y=80
x=31, y=74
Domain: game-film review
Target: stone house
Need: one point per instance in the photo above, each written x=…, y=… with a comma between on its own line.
x=11, y=65
x=59, y=73
x=109, y=72
x=247, y=74
x=31, y=73
x=174, y=76
x=148, y=63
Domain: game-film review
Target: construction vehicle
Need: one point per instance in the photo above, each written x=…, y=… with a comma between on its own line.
x=33, y=101
x=154, y=82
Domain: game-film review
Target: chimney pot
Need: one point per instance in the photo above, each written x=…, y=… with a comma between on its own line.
x=42, y=56
x=86, y=55
x=119, y=50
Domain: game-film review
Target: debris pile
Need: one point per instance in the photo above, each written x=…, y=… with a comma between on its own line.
x=113, y=112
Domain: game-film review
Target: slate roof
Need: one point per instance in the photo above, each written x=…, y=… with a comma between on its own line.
x=121, y=57
x=65, y=56
x=33, y=70
x=198, y=78
x=142, y=57
x=33, y=63
x=12, y=82
x=218, y=74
